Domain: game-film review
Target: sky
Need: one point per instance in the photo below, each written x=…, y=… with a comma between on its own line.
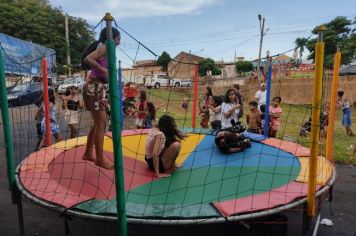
x=208, y=28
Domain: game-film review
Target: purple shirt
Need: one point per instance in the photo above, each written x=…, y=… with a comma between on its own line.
x=99, y=74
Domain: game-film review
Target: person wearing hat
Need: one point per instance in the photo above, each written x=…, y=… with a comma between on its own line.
x=261, y=95
x=344, y=103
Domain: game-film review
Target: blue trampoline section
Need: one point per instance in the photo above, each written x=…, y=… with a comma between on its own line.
x=207, y=154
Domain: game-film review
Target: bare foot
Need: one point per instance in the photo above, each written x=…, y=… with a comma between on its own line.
x=176, y=165
x=104, y=164
x=88, y=157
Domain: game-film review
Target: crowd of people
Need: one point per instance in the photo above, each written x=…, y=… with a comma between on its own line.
x=224, y=114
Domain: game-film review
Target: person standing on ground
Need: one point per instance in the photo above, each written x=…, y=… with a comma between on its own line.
x=204, y=108
x=275, y=112
x=253, y=119
x=54, y=126
x=229, y=109
x=71, y=103
x=94, y=96
x=261, y=95
x=239, y=99
x=215, y=112
x=141, y=106
x=344, y=103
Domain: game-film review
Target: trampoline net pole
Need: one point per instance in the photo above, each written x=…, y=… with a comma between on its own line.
x=195, y=97
x=6, y=127
x=334, y=88
x=46, y=101
x=315, y=125
x=116, y=127
x=268, y=96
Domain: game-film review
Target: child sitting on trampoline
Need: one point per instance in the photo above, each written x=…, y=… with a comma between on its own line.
x=162, y=146
x=230, y=142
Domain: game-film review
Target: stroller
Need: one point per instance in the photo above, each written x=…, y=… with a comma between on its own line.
x=306, y=127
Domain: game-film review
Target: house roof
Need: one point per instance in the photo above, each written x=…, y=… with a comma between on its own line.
x=282, y=58
x=188, y=57
x=145, y=63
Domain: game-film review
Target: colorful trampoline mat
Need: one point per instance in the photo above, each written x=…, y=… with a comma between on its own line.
x=209, y=184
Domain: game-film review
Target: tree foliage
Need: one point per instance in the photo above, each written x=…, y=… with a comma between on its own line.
x=340, y=32
x=164, y=60
x=243, y=66
x=300, y=44
x=208, y=64
x=37, y=21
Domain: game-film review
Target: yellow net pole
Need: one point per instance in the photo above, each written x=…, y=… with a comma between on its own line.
x=315, y=130
x=334, y=88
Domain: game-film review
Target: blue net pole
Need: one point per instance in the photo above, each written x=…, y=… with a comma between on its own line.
x=269, y=81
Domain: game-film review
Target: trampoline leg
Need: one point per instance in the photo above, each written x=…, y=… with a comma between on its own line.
x=16, y=199
x=310, y=224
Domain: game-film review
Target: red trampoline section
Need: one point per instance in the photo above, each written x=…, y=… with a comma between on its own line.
x=70, y=180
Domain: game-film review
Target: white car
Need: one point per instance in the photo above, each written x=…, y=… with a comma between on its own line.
x=186, y=83
x=161, y=80
x=76, y=81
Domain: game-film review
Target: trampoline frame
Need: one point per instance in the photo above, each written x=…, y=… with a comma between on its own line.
x=147, y=221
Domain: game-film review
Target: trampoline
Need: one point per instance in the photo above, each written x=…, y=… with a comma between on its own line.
x=210, y=186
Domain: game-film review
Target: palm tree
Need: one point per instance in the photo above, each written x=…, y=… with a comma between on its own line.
x=300, y=44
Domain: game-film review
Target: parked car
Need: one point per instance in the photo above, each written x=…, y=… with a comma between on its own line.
x=186, y=83
x=348, y=70
x=25, y=94
x=161, y=80
x=76, y=81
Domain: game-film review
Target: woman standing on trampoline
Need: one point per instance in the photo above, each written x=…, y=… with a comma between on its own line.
x=162, y=146
x=94, y=95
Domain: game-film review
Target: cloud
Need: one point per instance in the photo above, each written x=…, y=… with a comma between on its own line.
x=93, y=10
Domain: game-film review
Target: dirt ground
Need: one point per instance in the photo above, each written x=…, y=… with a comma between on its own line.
x=40, y=221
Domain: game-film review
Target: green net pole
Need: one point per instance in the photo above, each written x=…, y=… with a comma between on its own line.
x=116, y=128
x=7, y=127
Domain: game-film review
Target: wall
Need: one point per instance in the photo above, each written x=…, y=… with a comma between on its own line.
x=292, y=91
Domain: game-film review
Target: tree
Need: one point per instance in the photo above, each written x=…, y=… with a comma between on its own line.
x=206, y=65
x=37, y=21
x=164, y=60
x=300, y=44
x=243, y=67
x=340, y=32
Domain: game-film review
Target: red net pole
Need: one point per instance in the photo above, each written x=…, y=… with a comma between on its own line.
x=195, y=96
x=46, y=101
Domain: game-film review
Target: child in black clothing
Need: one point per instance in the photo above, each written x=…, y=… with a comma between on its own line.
x=262, y=115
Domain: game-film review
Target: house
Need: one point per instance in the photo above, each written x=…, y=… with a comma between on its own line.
x=228, y=69
x=140, y=70
x=281, y=59
x=182, y=66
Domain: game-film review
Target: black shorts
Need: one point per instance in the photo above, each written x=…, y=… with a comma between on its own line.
x=152, y=167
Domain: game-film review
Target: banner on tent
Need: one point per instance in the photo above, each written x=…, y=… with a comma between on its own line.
x=24, y=58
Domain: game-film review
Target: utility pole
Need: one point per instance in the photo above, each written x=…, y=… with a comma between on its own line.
x=67, y=45
x=262, y=28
